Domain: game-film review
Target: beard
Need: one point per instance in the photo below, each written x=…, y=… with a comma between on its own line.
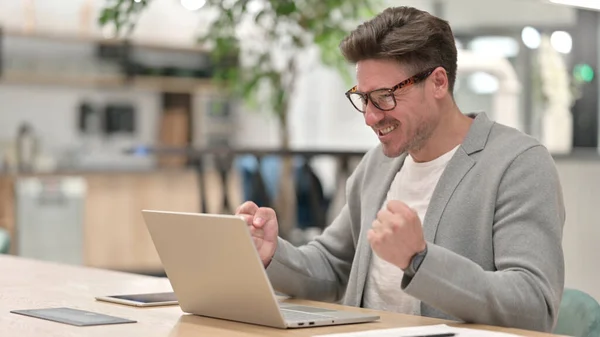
x=415, y=143
x=421, y=136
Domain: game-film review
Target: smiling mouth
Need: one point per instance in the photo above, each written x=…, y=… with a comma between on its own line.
x=385, y=131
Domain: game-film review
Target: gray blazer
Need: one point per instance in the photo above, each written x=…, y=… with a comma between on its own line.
x=493, y=230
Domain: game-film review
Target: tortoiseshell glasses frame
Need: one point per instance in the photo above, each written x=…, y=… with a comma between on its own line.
x=383, y=98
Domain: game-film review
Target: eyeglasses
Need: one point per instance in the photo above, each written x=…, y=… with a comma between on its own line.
x=383, y=99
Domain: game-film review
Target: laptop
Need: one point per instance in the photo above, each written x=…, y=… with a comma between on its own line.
x=215, y=271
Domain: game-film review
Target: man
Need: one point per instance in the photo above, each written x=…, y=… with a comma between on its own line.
x=451, y=216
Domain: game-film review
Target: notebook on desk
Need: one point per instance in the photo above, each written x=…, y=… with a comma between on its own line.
x=215, y=271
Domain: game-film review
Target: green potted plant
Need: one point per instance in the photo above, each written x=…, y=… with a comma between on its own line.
x=267, y=39
x=286, y=29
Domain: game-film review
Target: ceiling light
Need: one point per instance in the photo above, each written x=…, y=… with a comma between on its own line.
x=561, y=41
x=193, y=5
x=590, y=4
x=531, y=37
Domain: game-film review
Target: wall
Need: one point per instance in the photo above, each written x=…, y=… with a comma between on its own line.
x=582, y=229
x=52, y=111
x=166, y=22
x=469, y=15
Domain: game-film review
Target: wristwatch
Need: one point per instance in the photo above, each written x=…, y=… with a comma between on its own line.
x=415, y=263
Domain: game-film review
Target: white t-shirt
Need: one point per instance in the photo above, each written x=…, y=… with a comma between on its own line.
x=413, y=185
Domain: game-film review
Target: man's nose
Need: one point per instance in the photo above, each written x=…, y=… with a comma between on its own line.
x=373, y=115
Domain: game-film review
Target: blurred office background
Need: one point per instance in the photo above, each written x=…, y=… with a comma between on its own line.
x=92, y=130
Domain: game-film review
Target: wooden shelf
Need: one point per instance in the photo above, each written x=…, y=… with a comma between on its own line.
x=151, y=83
x=110, y=80
x=21, y=78
x=73, y=38
x=172, y=84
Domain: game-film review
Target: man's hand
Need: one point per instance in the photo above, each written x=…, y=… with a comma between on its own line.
x=263, y=227
x=397, y=234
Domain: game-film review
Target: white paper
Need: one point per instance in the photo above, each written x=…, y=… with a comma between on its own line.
x=421, y=331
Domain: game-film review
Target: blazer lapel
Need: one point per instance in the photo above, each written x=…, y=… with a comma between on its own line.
x=378, y=186
x=457, y=168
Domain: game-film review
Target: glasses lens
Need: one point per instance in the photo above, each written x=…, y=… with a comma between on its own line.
x=358, y=101
x=383, y=99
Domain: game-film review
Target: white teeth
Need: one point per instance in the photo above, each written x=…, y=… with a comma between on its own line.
x=387, y=130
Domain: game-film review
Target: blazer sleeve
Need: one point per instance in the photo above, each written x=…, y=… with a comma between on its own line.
x=320, y=269
x=526, y=289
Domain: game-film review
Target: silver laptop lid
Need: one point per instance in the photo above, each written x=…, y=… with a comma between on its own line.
x=213, y=266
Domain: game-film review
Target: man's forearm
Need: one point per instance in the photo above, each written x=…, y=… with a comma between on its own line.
x=461, y=288
x=305, y=272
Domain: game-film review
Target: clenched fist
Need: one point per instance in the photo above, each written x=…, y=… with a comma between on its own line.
x=264, y=228
x=397, y=234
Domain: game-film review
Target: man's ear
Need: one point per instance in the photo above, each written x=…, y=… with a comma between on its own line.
x=440, y=82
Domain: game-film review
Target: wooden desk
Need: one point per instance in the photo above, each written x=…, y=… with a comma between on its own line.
x=28, y=284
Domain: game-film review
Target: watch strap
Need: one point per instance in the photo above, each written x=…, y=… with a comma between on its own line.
x=415, y=263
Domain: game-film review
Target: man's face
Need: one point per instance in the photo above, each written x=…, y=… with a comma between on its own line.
x=412, y=121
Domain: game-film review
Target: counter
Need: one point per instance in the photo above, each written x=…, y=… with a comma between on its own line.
x=114, y=235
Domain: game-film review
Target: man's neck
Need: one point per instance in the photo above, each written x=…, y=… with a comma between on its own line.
x=449, y=133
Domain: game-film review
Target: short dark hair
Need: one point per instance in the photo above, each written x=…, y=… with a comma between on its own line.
x=411, y=36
